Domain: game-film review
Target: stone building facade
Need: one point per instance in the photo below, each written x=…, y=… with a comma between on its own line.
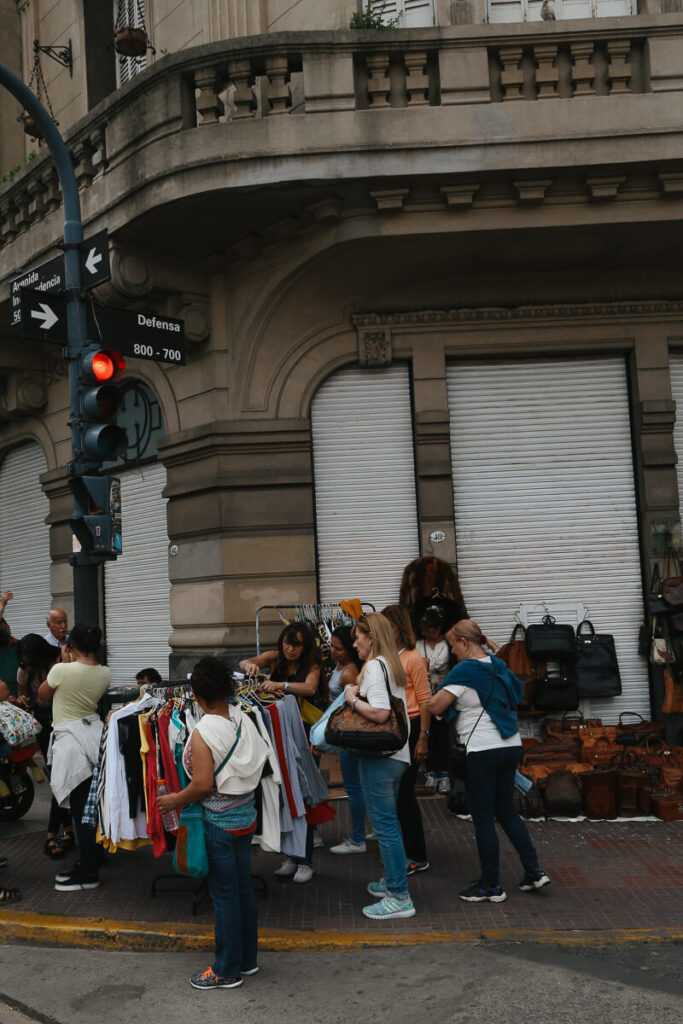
x=313, y=201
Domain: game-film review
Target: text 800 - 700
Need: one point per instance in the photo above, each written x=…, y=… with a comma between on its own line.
x=171, y=355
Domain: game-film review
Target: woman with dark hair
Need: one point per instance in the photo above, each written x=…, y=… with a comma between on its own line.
x=224, y=758
x=295, y=667
x=417, y=694
x=484, y=694
x=74, y=687
x=347, y=665
x=36, y=658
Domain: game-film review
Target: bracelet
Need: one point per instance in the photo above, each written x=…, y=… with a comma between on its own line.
x=425, y=731
x=287, y=688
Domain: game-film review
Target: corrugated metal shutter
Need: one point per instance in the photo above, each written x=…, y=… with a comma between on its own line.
x=137, y=589
x=365, y=494
x=545, y=503
x=25, y=539
x=676, y=370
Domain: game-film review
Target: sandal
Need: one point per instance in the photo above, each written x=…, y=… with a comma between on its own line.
x=66, y=841
x=9, y=896
x=53, y=848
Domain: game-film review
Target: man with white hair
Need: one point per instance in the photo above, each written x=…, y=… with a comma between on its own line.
x=56, y=627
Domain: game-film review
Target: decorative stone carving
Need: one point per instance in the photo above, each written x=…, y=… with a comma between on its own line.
x=531, y=192
x=417, y=79
x=131, y=275
x=460, y=197
x=23, y=395
x=374, y=348
x=379, y=86
x=547, y=74
x=379, y=322
x=583, y=72
x=243, y=98
x=208, y=103
x=511, y=72
x=390, y=198
x=279, y=90
x=605, y=188
x=197, y=321
x=657, y=415
x=619, y=54
x=82, y=158
x=671, y=184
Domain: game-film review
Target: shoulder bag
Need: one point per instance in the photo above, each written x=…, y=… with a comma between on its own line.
x=597, y=669
x=516, y=657
x=672, y=586
x=190, y=856
x=550, y=641
x=349, y=730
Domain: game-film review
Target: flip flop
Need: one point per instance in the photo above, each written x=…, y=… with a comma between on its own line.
x=9, y=896
x=66, y=841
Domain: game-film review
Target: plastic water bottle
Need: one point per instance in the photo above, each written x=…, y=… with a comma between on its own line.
x=171, y=820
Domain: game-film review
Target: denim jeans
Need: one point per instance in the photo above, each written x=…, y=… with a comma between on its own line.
x=490, y=785
x=350, y=769
x=409, y=813
x=234, y=901
x=380, y=780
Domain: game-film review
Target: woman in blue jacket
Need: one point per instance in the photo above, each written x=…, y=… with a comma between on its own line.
x=482, y=692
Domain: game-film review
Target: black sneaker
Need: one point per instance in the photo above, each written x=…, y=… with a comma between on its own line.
x=413, y=866
x=209, y=979
x=478, y=894
x=532, y=882
x=63, y=876
x=77, y=881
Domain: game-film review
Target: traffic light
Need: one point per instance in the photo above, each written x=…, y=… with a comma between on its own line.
x=97, y=514
x=102, y=439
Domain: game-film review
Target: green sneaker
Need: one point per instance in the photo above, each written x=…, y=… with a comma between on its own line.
x=378, y=889
x=390, y=907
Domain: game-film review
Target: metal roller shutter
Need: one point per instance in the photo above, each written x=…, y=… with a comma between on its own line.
x=545, y=503
x=25, y=539
x=137, y=588
x=676, y=370
x=365, y=495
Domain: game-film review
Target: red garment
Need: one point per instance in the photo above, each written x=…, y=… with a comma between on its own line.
x=279, y=746
x=155, y=824
x=170, y=770
x=319, y=814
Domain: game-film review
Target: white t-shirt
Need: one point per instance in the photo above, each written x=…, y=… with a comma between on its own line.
x=374, y=690
x=486, y=735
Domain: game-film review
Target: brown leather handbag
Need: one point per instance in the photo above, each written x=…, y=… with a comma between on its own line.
x=549, y=753
x=597, y=750
x=641, y=727
x=562, y=794
x=514, y=654
x=667, y=806
x=673, y=692
x=569, y=726
x=671, y=775
x=600, y=793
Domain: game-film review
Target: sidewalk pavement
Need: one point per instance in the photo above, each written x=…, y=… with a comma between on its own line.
x=612, y=881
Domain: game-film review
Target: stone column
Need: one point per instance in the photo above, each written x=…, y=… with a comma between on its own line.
x=433, y=448
x=240, y=524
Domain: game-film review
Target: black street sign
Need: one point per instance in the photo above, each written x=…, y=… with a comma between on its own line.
x=43, y=315
x=95, y=260
x=48, y=278
x=142, y=335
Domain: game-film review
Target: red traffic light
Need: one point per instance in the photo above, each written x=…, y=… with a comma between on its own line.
x=104, y=365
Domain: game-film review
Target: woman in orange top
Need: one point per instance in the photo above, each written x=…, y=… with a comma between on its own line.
x=417, y=694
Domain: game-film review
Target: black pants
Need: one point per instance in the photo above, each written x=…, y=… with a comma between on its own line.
x=439, y=757
x=59, y=816
x=408, y=808
x=86, y=834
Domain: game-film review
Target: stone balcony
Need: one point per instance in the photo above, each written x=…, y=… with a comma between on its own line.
x=317, y=112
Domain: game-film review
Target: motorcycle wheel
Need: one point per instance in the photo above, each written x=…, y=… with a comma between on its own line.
x=17, y=804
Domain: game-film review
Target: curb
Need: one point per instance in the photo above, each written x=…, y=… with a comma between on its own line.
x=132, y=936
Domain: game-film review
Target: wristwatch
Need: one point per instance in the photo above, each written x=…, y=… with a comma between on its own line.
x=353, y=702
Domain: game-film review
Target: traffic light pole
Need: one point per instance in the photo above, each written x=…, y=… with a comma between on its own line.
x=85, y=579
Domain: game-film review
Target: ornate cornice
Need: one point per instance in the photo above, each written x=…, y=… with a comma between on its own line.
x=439, y=317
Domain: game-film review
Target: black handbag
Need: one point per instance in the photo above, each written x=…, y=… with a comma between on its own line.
x=557, y=690
x=597, y=668
x=550, y=641
x=655, y=602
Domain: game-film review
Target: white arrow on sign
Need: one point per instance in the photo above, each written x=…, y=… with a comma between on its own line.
x=48, y=316
x=94, y=257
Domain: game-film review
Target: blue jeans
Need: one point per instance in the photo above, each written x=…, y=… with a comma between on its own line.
x=490, y=785
x=234, y=901
x=350, y=770
x=380, y=780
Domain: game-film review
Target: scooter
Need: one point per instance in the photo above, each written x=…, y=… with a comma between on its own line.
x=17, y=772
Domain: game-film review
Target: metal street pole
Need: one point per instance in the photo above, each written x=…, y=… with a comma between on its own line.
x=86, y=592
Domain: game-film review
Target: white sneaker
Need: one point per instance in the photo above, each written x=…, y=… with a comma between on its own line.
x=287, y=868
x=371, y=836
x=304, y=873
x=318, y=841
x=431, y=782
x=444, y=785
x=346, y=846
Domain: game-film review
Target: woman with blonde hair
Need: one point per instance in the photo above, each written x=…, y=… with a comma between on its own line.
x=382, y=676
x=485, y=694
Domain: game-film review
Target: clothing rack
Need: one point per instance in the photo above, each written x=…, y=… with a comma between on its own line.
x=303, y=611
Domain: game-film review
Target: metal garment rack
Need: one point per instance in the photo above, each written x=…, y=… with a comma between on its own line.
x=280, y=608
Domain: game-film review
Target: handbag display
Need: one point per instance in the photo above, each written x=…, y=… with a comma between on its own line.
x=673, y=693
x=16, y=725
x=597, y=669
x=640, y=728
x=634, y=789
x=660, y=648
x=549, y=753
x=349, y=730
x=655, y=602
x=671, y=775
x=672, y=586
x=516, y=657
x=550, y=641
x=562, y=794
x=557, y=690
x=568, y=727
x=597, y=750
x=600, y=793
x=667, y=806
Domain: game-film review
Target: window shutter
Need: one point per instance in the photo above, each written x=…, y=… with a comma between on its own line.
x=133, y=14
x=418, y=13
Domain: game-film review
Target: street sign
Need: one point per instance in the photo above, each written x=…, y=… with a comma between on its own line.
x=48, y=278
x=43, y=316
x=95, y=260
x=142, y=335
